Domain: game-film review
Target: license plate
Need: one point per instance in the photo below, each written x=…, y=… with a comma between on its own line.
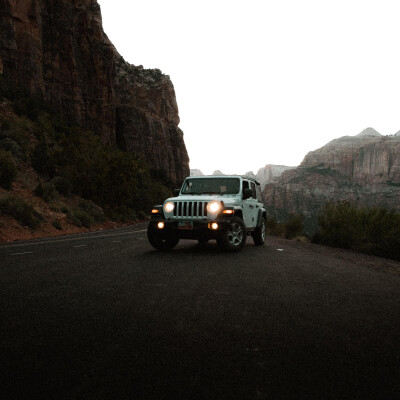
x=185, y=225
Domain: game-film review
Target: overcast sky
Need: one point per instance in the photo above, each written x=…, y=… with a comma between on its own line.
x=264, y=82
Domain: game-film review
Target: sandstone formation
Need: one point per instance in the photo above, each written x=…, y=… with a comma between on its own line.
x=57, y=49
x=196, y=172
x=364, y=169
x=268, y=173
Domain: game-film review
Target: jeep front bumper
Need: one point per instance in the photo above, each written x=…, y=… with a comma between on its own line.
x=189, y=229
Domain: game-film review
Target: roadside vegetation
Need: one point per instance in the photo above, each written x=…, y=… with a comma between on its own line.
x=69, y=163
x=292, y=229
x=368, y=230
x=373, y=231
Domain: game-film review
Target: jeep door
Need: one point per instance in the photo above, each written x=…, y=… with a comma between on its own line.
x=250, y=209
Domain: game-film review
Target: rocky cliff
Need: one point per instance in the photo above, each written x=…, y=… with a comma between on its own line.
x=57, y=49
x=268, y=173
x=364, y=169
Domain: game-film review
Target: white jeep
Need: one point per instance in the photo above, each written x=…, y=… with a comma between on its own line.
x=224, y=208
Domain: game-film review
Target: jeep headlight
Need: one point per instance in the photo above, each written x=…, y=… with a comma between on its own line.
x=214, y=207
x=169, y=206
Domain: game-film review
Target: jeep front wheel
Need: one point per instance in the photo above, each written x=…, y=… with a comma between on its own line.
x=161, y=244
x=259, y=234
x=234, y=237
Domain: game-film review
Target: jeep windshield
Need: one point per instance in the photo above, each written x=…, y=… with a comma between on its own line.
x=220, y=186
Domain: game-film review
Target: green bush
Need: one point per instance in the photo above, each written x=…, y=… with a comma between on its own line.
x=62, y=185
x=20, y=210
x=15, y=136
x=80, y=218
x=95, y=212
x=12, y=146
x=8, y=169
x=274, y=227
x=368, y=230
x=46, y=191
x=56, y=223
x=122, y=214
x=41, y=159
x=294, y=227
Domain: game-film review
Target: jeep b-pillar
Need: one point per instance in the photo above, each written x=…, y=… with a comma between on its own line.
x=224, y=208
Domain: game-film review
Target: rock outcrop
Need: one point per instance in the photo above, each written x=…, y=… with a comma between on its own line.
x=364, y=169
x=268, y=173
x=196, y=172
x=57, y=49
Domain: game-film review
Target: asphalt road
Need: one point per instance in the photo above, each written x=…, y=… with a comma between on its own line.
x=104, y=316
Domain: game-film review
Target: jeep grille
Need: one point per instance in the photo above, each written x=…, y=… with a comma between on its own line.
x=190, y=209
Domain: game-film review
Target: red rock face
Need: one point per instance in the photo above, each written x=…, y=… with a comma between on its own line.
x=364, y=170
x=57, y=49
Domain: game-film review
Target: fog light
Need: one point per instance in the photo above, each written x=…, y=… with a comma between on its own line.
x=160, y=225
x=214, y=226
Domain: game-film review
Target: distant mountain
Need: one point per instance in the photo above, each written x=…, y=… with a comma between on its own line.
x=264, y=175
x=364, y=169
x=268, y=173
x=368, y=132
x=250, y=174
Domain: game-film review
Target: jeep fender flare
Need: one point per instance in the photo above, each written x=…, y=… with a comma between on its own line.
x=238, y=212
x=262, y=213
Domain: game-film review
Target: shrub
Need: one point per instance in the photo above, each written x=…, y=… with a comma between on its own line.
x=41, y=160
x=62, y=185
x=122, y=214
x=368, y=230
x=46, y=191
x=294, y=227
x=274, y=227
x=8, y=169
x=15, y=136
x=12, y=146
x=56, y=223
x=20, y=210
x=93, y=210
x=80, y=218
x=64, y=209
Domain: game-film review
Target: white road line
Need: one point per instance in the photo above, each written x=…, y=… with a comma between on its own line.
x=20, y=254
x=81, y=245
x=85, y=237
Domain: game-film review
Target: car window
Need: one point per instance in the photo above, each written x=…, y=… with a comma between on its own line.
x=211, y=186
x=253, y=188
x=259, y=195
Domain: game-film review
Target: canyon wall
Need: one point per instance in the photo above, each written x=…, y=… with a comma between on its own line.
x=57, y=49
x=363, y=169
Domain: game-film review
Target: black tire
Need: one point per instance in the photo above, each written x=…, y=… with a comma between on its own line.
x=161, y=244
x=234, y=237
x=259, y=233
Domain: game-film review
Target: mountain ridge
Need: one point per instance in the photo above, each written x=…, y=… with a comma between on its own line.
x=362, y=169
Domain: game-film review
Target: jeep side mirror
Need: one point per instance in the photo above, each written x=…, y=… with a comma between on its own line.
x=247, y=193
x=176, y=192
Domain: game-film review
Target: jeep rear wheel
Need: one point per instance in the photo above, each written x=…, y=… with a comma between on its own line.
x=234, y=237
x=161, y=244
